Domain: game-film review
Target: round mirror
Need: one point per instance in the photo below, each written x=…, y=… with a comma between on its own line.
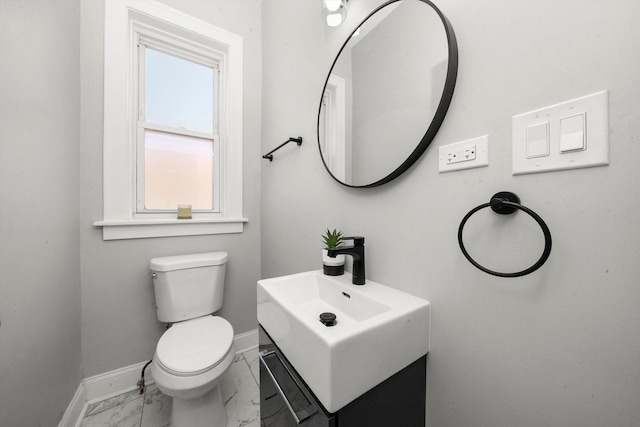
x=387, y=93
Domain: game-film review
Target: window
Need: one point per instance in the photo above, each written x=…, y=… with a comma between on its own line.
x=172, y=123
x=177, y=132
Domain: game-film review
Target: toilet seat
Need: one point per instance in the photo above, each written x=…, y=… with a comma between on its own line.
x=194, y=346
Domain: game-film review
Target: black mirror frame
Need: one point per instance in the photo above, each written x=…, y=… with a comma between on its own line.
x=441, y=111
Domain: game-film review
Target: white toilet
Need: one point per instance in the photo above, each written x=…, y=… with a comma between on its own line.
x=192, y=355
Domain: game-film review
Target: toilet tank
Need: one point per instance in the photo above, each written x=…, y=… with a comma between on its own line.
x=188, y=286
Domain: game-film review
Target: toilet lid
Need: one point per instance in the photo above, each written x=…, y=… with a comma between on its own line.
x=195, y=346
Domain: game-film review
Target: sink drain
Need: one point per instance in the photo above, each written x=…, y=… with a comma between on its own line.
x=328, y=319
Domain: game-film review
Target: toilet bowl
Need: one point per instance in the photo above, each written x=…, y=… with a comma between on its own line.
x=194, y=353
x=188, y=364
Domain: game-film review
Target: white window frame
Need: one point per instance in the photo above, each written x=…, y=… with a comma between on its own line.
x=125, y=20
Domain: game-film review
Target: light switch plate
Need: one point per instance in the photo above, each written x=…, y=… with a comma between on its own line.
x=594, y=109
x=472, y=153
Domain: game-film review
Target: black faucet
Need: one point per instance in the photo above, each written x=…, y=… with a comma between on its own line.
x=357, y=252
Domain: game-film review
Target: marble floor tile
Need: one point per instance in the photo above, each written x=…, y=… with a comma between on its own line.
x=251, y=357
x=240, y=393
x=127, y=414
x=112, y=402
x=156, y=411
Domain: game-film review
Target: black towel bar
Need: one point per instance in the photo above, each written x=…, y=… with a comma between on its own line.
x=269, y=155
x=505, y=203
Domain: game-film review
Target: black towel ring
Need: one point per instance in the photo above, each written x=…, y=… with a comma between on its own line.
x=505, y=203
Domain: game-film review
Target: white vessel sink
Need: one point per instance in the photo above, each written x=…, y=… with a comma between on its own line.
x=379, y=331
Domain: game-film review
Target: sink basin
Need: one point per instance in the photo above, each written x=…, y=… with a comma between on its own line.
x=378, y=332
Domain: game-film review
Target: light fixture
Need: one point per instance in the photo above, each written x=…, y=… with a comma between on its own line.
x=334, y=12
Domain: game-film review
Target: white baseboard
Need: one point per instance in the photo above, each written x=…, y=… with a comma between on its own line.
x=113, y=383
x=246, y=341
x=104, y=385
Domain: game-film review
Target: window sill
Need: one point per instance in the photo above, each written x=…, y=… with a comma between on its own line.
x=141, y=229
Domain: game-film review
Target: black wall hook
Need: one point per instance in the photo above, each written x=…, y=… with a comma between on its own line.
x=269, y=155
x=498, y=204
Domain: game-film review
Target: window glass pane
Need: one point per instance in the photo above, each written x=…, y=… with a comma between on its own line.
x=178, y=170
x=178, y=93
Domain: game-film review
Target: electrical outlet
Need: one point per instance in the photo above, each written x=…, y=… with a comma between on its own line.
x=464, y=155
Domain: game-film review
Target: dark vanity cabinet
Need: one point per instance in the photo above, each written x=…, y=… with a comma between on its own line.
x=285, y=399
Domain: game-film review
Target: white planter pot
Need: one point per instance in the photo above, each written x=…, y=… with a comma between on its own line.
x=332, y=266
x=327, y=260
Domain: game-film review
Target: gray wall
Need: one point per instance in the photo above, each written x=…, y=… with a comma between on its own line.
x=39, y=235
x=119, y=323
x=558, y=347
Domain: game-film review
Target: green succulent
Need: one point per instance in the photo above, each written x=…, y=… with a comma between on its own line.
x=332, y=239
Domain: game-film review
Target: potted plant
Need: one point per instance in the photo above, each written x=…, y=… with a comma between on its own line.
x=332, y=266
